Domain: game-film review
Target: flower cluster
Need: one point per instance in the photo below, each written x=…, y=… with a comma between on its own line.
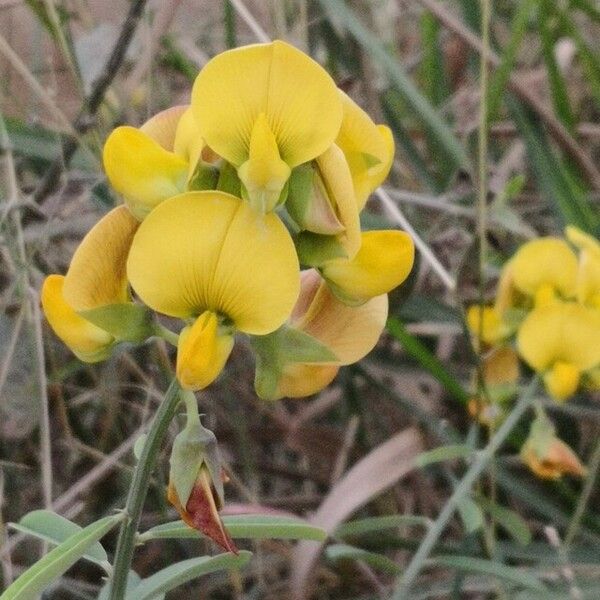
x=546, y=312
x=226, y=199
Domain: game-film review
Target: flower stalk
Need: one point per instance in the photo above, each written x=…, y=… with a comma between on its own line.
x=139, y=488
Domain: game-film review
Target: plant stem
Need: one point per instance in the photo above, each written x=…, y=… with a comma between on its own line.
x=166, y=334
x=139, y=488
x=464, y=487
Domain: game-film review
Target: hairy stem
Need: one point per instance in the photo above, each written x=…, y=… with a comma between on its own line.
x=139, y=488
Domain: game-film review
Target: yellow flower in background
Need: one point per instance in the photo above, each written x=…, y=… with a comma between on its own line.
x=561, y=341
x=588, y=272
x=156, y=161
x=383, y=261
x=95, y=279
x=368, y=148
x=209, y=257
x=486, y=323
x=266, y=108
x=350, y=333
x=544, y=269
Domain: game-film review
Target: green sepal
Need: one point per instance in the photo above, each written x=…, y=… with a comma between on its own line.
x=193, y=447
x=343, y=296
x=314, y=250
x=128, y=322
x=204, y=177
x=284, y=346
x=229, y=182
x=308, y=202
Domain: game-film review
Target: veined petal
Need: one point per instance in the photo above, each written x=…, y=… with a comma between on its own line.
x=211, y=251
x=298, y=97
x=368, y=148
x=96, y=276
x=336, y=177
x=299, y=380
x=162, y=126
x=545, y=261
x=202, y=352
x=350, y=332
x=142, y=170
x=560, y=332
x=383, y=262
x=88, y=342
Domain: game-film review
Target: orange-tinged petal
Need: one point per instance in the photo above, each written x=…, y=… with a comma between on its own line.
x=96, y=276
x=368, y=148
x=163, y=126
x=383, y=262
x=142, y=170
x=298, y=97
x=202, y=352
x=211, y=251
x=88, y=342
x=558, y=459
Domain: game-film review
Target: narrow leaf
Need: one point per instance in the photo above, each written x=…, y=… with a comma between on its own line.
x=443, y=453
x=338, y=552
x=370, y=524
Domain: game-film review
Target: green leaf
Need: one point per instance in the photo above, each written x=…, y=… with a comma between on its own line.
x=427, y=360
x=127, y=322
x=509, y=520
x=488, y=567
x=205, y=177
x=338, y=552
x=340, y=14
x=46, y=570
x=370, y=524
x=300, y=191
x=55, y=529
x=252, y=527
x=138, y=447
x=181, y=572
x=442, y=453
x=470, y=514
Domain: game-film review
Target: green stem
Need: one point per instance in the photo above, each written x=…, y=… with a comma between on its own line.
x=463, y=489
x=585, y=496
x=166, y=334
x=139, y=488
x=191, y=407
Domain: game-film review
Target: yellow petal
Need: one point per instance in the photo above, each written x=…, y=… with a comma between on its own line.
x=545, y=261
x=350, y=332
x=560, y=332
x=383, y=262
x=142, y=170
x=562, y=380
x=368, y=148
x=96, y=276
x=299, y=380
x=188, y=142
x=202, y=352
x=163, y=126
x=485, y=322
x=588, y=274
x=264, y=173
x=298, y=97
x=210, y=251
x=335, y=175
x=88, y=342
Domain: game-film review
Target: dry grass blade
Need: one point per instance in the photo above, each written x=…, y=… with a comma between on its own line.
x=380, y=469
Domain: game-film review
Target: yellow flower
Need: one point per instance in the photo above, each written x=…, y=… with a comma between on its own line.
x=349, y=332
x=368, y=148
x=485, y=323
x=209, y=257
x=266, y=109
x=560, y=340
x=96, y=278
x=544, y=269
x=588, y=273
x=153, y=163
x=383, y=261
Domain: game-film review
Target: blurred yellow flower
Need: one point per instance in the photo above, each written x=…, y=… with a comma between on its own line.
x=561, y=341
x=95, y=279
x=588, y=273
x=266, y=108
x=209, y=257
x=485, y=323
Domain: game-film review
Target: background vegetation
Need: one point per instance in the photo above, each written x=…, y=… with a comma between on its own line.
x=351, y=458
